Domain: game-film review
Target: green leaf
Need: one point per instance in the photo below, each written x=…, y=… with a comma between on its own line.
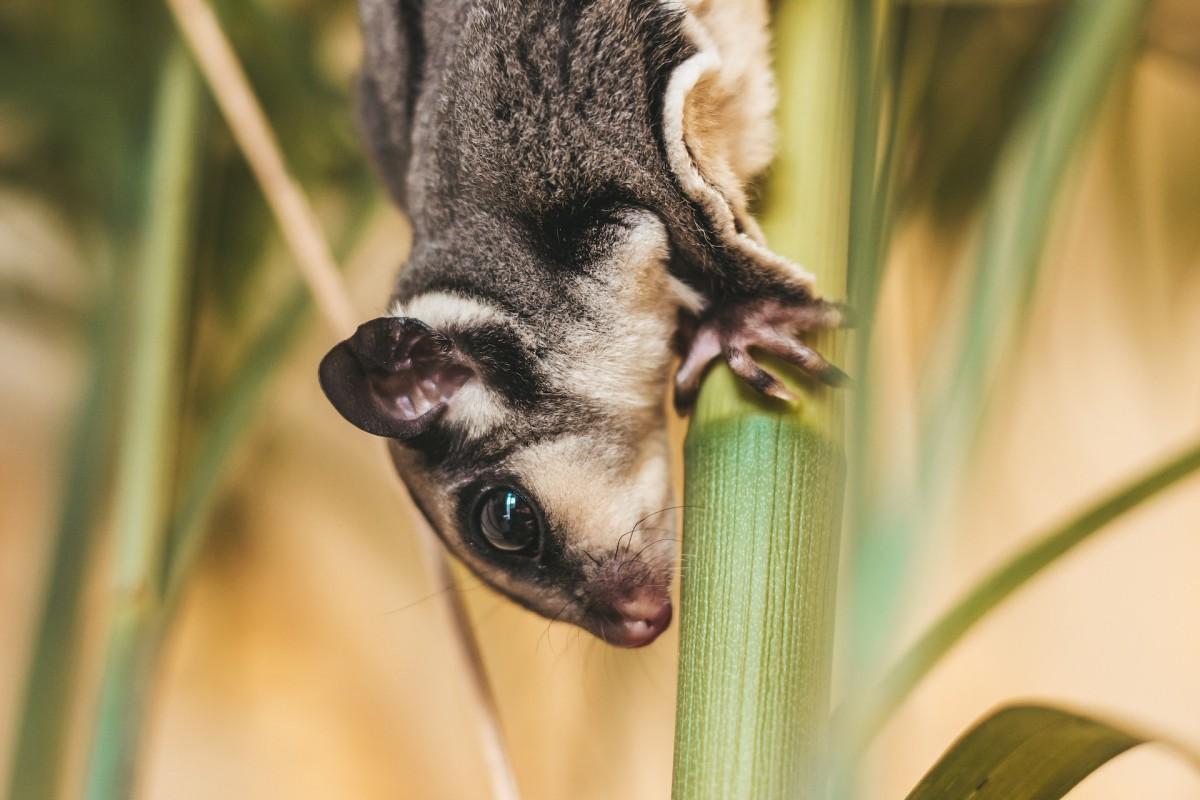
x=1025, y=752
x=866, y=716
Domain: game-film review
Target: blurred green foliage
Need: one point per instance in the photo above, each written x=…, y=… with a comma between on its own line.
x=76, y=86
x=979, y=77
x=77, y=83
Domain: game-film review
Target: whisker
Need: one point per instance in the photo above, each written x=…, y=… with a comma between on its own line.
x=656, y=541
x=659, y=529
x=661, y=511
x=630, y=533
x=552, y=620
x=453, y=587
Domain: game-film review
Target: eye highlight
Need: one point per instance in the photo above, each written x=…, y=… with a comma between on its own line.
x=508, y=521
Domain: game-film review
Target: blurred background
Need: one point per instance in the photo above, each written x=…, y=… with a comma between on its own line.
x=305, y=659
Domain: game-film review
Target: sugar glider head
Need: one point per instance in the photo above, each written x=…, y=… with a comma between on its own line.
x=536, y=450
x=574, y=173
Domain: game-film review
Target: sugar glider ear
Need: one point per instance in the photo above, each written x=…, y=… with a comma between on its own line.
x=394, y=377
x=719, y=133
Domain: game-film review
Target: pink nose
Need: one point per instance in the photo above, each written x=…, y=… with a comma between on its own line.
x=641, y=618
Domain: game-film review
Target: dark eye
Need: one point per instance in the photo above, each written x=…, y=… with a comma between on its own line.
x=508, y=520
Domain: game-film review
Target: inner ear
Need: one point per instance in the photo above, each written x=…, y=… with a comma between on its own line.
x=394, y=377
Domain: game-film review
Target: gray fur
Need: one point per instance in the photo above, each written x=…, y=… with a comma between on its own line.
x=551, y=235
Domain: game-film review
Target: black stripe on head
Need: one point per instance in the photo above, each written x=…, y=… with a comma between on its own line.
x=445, y=449
x=664, y=47
x=450, y=453
x=506, y=364
x=574, y=233
x=568, y=21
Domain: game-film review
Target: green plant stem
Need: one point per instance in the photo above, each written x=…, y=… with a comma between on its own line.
x=236, y=408
x=40, y=741
x=760, y=549
x=146, y=462
x=862, y=719
x=1069, y=90
x=764, y=482
x=1094, y=39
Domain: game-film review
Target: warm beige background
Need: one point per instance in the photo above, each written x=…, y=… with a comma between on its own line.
x=306, y=666
x=1107, y=383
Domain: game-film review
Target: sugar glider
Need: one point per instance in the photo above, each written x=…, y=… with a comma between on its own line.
x=575, y=175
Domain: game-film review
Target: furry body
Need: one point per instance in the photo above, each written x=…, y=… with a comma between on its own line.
x=574, y=174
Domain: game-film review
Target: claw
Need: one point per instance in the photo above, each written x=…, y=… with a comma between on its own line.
x=749, y=370
x=804, y=357
x=765, y=325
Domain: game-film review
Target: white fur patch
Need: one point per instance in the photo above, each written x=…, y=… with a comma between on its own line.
x=592, y=500
x=475, y=408
x=444, y=311
x=620, y=356
x=685, y=296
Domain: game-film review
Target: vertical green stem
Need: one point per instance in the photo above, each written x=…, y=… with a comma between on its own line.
x=146, y=464
x=764, y=482
x=237, y=407
x=1070, y=87
x=40, y=741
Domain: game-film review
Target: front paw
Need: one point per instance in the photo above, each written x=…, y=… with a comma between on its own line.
x=770, y=326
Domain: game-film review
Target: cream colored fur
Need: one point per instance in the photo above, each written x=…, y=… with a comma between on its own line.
x=717, y=120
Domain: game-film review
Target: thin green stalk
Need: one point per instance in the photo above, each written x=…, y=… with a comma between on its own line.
x=40, y=743
x=237, y=407
x=873, y=42
x=146, y=463
x=1069, y=90
x=1094, y=40
x=865, y=717
x=901, y=73
x=764, y=482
